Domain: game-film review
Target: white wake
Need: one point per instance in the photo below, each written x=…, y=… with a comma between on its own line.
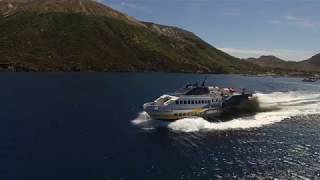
x=284, y=105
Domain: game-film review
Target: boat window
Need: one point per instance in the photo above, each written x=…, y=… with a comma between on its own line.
x=188, y=101
x=184, y=102
x=192, y=102
x=177, y=102
x=171, y=101
x=202, y=101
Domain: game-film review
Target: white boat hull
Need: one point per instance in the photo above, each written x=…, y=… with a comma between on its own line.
x=180, y=114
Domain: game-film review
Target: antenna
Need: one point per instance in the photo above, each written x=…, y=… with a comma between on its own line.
x=204, y=81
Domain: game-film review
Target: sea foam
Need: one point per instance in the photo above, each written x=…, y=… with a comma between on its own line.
x=275, y=107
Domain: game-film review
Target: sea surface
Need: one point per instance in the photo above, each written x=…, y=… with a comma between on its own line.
x=91, y=126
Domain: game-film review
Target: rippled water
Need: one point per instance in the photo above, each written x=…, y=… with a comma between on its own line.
x=91, y=126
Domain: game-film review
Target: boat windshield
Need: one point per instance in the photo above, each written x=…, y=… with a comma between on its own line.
x=166, y=99
x=163, y=99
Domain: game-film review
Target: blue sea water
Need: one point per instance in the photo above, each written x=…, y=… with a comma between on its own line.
x=91, y=126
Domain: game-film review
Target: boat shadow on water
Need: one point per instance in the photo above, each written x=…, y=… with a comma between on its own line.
x=243, y=109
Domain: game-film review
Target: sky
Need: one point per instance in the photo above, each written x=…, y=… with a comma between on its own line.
x=289, y=29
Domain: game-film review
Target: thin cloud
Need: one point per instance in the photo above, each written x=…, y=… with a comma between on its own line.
x=122, y=6
x=298, y=21
x=231, y=12
x=286, y=54
x=276, y=22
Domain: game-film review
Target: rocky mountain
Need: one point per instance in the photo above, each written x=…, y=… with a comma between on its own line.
x=268, y=61
x=276, y=64
x=84, y=35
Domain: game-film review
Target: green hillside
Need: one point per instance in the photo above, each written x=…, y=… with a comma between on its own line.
x=82, y=35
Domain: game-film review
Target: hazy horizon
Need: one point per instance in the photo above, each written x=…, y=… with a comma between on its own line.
x=289, y=30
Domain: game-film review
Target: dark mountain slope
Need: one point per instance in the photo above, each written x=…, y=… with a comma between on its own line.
x=314, y=60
